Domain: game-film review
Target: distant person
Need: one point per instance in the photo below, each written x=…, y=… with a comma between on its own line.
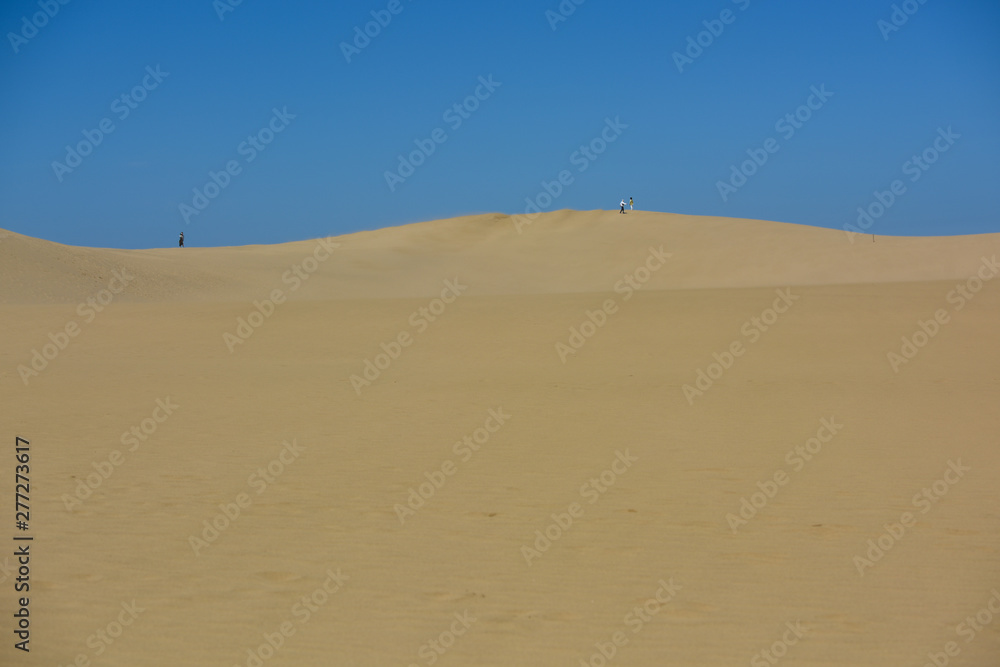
x=623, y=207
x=630, y=203
x=180, y=243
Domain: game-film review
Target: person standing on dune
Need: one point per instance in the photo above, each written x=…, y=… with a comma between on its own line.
x=630, y=203
x=623, y=207
x=180, y=243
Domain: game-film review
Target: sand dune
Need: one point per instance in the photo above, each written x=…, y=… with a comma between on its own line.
x=555, y=253
x=455, y=443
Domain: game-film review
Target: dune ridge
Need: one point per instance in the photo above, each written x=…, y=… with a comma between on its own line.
x=554, y=253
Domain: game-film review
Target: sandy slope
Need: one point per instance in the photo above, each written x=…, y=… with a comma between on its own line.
x=359, y=450
x=557, y=253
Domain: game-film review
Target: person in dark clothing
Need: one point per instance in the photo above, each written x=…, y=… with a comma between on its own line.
x=180, y=243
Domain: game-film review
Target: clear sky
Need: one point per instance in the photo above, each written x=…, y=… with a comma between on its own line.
x=207, y=85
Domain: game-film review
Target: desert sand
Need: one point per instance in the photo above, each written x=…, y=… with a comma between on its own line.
x=493, y=441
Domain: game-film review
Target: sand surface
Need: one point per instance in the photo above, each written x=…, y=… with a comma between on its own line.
x=480, y=396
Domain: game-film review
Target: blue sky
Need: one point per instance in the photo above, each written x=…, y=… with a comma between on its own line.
x=893, y=93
